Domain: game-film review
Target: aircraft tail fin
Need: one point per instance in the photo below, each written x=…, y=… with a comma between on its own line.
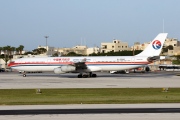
x=155, y=47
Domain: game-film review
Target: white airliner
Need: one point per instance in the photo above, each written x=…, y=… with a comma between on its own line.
x=86, y=65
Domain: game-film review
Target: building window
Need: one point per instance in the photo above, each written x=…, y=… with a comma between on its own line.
x=112, y=46
x=122, y=46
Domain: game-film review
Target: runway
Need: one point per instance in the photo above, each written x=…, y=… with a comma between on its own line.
x=92, y=111
x=104, y=80
x=89, y=111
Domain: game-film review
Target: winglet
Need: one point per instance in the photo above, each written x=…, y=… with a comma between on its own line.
x=155, y=47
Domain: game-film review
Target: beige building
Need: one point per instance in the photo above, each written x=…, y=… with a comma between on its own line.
x=138, y=46
x=50, y=50
x=77, y=49
x=175, y=51
x=115, y=46
x=176, y=46
x=172, y=41
x=93, y=50
x=2, y=63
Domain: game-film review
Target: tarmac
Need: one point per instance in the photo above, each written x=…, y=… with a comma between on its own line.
x=104, y=80
x=156, y=79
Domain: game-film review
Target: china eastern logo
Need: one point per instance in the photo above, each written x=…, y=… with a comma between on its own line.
x=156, y=44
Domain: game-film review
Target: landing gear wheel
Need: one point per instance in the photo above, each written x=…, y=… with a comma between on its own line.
x=93, y=75
x=90, y=74
x=79, y=76
x=24, y=75
x=85, y=76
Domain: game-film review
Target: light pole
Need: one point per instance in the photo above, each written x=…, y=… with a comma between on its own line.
x=46, y=41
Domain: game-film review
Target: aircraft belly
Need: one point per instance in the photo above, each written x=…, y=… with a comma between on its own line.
x=35, y=68
x=118, y=67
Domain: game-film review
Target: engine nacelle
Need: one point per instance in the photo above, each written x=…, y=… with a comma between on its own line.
x=64, y=69
x=58, y=71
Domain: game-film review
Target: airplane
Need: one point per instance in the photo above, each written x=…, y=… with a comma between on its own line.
x=85, y=65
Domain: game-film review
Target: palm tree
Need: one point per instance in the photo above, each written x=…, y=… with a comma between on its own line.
x=8, y=50
x=6, y=57
x=21, y=47
x=13, y=49
x=5, y=50
x=17, y=51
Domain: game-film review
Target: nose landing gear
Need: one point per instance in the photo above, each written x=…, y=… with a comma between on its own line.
x=24, y=75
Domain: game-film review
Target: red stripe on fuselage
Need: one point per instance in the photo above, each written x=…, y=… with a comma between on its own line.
x=71, y=63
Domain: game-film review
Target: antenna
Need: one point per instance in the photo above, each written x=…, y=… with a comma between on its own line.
x=163, y=25
x=85, y=41
x=81, y=41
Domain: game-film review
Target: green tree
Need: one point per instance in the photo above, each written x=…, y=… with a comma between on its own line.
x=13, y=49
x=36, y=51
x=20, y=48
x=39, y=51
x=17, y=51
x=73, y=54
x=177, y=61
x=55, y=54
x=42, y=50
x=6, y=54
x=29, y=52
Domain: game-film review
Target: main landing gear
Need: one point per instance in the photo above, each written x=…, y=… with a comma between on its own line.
x=86, y=75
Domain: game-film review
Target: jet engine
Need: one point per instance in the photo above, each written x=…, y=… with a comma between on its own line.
x=64, y=69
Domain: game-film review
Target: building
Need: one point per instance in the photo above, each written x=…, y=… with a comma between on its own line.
x=93, y=50
x=138, y=46
x=76, y=49
x=50, y=50
x=172, y=41
x=2, y=63
x=115, y=46
x=175, y=51
x=79, y=49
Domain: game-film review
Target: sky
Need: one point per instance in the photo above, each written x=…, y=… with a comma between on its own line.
x=85, y=22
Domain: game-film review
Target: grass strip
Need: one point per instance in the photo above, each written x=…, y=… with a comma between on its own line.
x=88, y=96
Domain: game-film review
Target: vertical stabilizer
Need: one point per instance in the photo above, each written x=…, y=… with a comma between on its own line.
x=155, y=47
